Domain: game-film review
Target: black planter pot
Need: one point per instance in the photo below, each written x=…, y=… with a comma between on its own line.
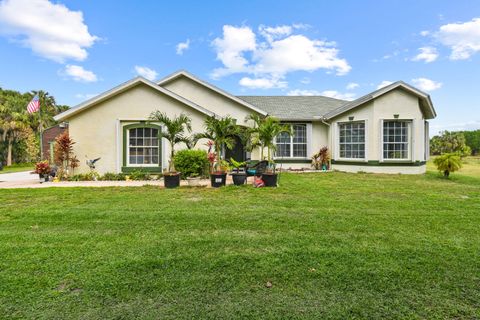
x=239, y=178
x=46, y=177
x=171, y=180
x=270, y=179
x=218, y=179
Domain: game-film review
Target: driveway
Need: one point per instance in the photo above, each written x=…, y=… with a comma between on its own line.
x=17, y=179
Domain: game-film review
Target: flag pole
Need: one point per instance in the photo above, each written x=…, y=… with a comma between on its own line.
x=40, y=128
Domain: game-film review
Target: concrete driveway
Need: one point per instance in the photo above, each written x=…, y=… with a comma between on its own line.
x=17, y=179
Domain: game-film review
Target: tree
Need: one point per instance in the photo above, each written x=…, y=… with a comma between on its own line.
x=472, y=139
x=448, y=162
x=449, y=142
x=174, y=131
x=64, y=156
x=222, y=132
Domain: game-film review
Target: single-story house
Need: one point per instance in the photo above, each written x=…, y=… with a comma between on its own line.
x=385, y=131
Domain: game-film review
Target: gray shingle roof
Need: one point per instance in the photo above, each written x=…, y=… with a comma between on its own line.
x=295, y=107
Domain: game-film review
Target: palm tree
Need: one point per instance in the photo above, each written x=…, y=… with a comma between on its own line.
x=264, y=132
x=174, y=131
x=222, y=132
x=448, y=162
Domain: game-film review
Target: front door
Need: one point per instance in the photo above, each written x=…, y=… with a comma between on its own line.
x=237, y=153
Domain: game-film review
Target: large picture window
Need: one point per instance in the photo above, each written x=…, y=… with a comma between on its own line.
x=292, y=146
x=396, y=136
x=143, y=147
x=352, y=140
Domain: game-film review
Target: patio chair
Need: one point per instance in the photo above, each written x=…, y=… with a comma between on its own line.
x=256, y=169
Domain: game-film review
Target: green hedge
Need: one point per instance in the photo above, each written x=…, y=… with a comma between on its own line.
x=191, y=163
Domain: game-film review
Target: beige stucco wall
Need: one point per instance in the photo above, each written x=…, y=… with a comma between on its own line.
x=396, y=102
x=97, y=131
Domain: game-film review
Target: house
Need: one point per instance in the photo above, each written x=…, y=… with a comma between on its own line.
x=385, y=131
x=48, y=140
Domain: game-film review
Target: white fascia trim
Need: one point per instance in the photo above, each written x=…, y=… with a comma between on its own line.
x=123, y=87
x=211, y=87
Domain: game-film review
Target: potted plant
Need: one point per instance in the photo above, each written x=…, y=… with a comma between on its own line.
x=321, y=159
x=264, y=132
x=239, y=176
x=173, y=131
x=43, y=169
x=221, y=133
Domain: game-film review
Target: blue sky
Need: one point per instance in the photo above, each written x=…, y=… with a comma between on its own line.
x=344, y=49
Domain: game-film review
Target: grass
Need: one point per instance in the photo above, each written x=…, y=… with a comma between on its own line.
x=18, y=168
x=333, y=246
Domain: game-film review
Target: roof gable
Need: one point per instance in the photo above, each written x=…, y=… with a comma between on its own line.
x=183, y=73
x=122, y=88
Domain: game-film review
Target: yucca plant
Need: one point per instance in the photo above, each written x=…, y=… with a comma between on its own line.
x=174, y=130
x=448, y=162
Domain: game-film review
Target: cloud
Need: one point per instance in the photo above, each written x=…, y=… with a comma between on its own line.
x=182, y=46
x=262, y=83
x=78, y=73
x=384, y=83
x=427, y=54
x=305, y=80
x=327, y=93
x=85, y=96
x=462, y=38
x=50, y=30
x=352, y=86
x=276, y=52
x=145, y=72
x=424, y=33
x=425, y=84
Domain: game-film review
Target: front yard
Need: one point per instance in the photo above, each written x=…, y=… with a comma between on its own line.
x=332, y=245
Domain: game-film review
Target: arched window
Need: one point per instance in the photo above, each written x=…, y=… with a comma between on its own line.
x=142, y=145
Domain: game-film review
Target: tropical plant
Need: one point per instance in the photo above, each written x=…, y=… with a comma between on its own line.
x=447, y=163
x=237, y=164
x=174, y=131
x=450, y=142
x=221, y=132
x=42, y=168
x=192, y=163
x=63, y=155
x=321, y=159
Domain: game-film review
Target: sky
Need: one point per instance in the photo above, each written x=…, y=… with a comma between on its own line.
x=76, y=49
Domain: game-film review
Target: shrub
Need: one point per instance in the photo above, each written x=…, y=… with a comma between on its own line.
x=111, y=176
x=140, y=175
x=321, y=158
x=42, y=168
x=191, y=162
x=90, y=176
x=448, y=162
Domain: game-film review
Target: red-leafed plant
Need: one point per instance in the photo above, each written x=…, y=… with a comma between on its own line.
x=64, y=156
x=42, y=168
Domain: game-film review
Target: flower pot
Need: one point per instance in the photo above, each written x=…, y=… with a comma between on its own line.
x=46, y=177
x=239, y=178
x=270, y=179
x=217, y=179
x=171, y=180
x=193, y=182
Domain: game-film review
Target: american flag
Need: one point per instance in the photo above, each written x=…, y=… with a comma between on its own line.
x=34, y=105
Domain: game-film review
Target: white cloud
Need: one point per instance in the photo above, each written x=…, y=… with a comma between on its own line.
x=262, y=83
x=281, y=52
x=426, y=84
x=462, y=38
x=85, y=96
x=424, y=33
x=51, y=30
x=78, y=73
x=352, y=86
x=182, y=46
x=145, y=72
x=305, y=80
x=327, y=93
x=427, y=54
x=384, y=83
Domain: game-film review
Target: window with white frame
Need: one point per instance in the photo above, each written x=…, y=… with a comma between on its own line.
x=292, y=146
x=396, y=139
x=351, y=137
x=143, y=146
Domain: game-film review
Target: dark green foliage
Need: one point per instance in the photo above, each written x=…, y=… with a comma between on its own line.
x=111, y=176
x=191, y=163
x=472, y=139
x=140, y=175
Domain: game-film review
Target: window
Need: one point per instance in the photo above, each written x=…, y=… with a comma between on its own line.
x=352, y=140
x=143, y=146
x=294, y=146
x=396, y=140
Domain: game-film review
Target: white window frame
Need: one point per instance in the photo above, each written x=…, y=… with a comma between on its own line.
x=337, y=141
x=127, y=149
x=308, y=137
x=410, y=140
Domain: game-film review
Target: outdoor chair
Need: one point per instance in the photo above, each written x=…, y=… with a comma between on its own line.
x=256, y=169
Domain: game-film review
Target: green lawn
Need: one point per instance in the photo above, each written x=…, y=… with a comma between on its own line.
x=18, y=168
x=334, y=246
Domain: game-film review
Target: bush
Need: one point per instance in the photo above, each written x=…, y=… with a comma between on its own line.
x=140, y=175
x=191, y=163
x=91, y=176
x=111, y=176
x=448, y=162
